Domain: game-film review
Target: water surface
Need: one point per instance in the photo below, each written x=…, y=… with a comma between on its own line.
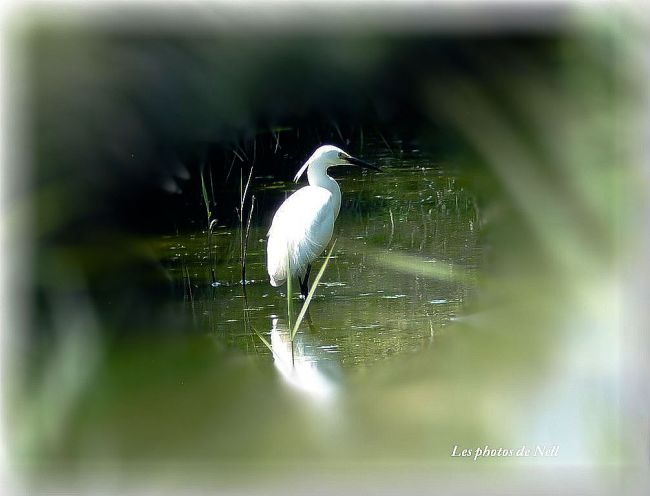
x=406, y=259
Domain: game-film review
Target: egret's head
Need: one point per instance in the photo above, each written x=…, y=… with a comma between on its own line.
x=329, y=155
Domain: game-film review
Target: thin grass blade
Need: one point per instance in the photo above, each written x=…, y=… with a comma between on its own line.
x=263, y=339
x=206, y=199
x=289, y=290
x=305, y=305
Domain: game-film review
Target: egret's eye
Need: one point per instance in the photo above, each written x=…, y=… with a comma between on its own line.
x=341, y=155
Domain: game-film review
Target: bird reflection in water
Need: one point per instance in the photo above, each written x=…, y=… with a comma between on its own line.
x=297, y=366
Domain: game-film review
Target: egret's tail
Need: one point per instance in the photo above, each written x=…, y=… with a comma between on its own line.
x=278, y=250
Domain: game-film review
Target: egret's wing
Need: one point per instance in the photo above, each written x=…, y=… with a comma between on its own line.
x=300, y=231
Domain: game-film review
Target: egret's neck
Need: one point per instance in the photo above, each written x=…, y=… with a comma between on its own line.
x=317, y=176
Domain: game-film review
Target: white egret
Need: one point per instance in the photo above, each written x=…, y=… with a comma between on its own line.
x=303, y=225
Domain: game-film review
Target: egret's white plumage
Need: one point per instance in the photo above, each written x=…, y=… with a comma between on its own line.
x=301, y=229
x=303, y=225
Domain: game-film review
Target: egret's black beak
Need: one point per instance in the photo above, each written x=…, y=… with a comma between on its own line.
x=361, y=163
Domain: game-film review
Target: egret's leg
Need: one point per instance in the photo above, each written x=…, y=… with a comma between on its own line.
x=307, y=272
x=304, y=285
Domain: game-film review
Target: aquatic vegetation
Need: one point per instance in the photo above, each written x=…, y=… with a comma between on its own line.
x=305, y=306
x=244, y=225
x=206, y=199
